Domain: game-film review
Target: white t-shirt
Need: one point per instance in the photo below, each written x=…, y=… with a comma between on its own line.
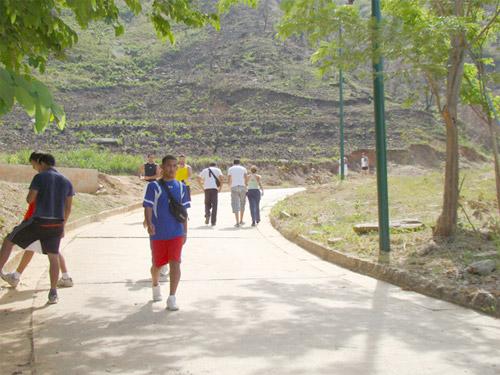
x=208, y=178
x=364, y=162
x=237, y=173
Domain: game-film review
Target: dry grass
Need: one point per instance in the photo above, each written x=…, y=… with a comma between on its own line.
x=331, y=210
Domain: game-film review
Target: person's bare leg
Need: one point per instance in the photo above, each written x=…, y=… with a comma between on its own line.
x=237, y=218
x=54, y=270
x=155, y=275
x=5, y=252
x=62, y=264
x=175, y=276
x=242, y=212
x=25, y=260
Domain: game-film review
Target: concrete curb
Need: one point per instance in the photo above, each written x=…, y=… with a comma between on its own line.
x=470, y=297
x=73, y=225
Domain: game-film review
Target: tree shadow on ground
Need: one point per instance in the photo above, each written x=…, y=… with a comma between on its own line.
x=275, y=327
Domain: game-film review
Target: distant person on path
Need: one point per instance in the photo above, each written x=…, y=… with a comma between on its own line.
x=53, y=194
x=150, y=171
x=167, y=234
x=346, y=166
x=237, y=180
x=254, y=183
x=13, y=278
x=184, y=173
x=211, y=178
x=365, y=164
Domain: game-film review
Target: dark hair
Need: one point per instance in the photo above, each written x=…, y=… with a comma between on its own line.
x=35, y=156
x=150, y=155
x=47, y=159
x=212, y=164
x=253, y=169
x=167, y=158
x=236, y=161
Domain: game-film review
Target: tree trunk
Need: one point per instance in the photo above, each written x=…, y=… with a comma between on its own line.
x=494, y=146
x=447, y=222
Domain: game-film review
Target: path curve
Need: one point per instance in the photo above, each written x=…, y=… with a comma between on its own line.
x=251, y=303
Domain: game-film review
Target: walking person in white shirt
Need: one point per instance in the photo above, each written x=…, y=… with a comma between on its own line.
x=237, y=180
x=211, y=178
x=365, y=164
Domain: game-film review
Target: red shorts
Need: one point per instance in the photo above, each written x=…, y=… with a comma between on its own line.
x=164, y=251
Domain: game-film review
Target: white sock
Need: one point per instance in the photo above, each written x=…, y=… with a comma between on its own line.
x=65, y=275
x=16, y=275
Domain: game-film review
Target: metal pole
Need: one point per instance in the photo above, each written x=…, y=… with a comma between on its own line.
x=381, y=148
x=341, y=114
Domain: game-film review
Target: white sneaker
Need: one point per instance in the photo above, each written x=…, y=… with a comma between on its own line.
x=157, y=294
x=171, y=304
x=164, y=273
x=65, y=283
x=10, y=278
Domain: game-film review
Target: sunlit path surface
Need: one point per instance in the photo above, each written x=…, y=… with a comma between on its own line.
x=251, y=303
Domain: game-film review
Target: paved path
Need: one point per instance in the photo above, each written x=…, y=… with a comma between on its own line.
x=251, y=303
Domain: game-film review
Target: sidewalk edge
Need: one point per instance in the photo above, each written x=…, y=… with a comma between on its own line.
x=473, y=298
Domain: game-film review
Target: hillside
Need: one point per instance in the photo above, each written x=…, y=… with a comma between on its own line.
x=240, y=91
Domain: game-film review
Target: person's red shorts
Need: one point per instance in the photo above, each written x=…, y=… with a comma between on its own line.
x=164, y=251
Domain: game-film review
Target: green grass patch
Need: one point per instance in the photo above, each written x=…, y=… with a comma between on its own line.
x=331, y=211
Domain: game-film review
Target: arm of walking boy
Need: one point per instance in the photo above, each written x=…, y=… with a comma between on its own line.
x=31, y=197
x=185, y=225
x=148, y=217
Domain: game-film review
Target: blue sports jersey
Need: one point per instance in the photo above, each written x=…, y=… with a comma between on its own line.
x=166, y=226
x=53, y=190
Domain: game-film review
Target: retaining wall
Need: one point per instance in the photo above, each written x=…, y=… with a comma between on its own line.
x=83, y=180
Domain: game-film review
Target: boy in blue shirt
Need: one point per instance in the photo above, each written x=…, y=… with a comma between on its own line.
x=167, y=235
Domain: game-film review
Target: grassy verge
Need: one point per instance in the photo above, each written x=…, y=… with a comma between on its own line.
x=128, y=164
x=330, y=211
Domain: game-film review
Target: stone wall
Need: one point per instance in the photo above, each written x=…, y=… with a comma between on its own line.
x=83, y=180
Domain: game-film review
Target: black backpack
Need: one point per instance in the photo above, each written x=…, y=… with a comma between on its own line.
x=176, y=208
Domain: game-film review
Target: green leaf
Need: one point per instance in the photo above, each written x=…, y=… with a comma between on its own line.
x=42, y=117
x=6, y=92
x=26, y=99
x=60, y=116
x=43, y=93
x=119, y=30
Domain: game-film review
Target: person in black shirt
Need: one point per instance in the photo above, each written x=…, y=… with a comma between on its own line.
x=150, y=171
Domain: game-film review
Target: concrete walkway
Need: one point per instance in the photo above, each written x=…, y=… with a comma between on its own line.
x=251, y=303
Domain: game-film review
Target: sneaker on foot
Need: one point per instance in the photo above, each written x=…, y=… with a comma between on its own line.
x=237, y=225
x=253, y=224
x=157, y=294
x=10, y=279
x=53, y=297
x=171, y=304
x=242, y=223
x=65, y=282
